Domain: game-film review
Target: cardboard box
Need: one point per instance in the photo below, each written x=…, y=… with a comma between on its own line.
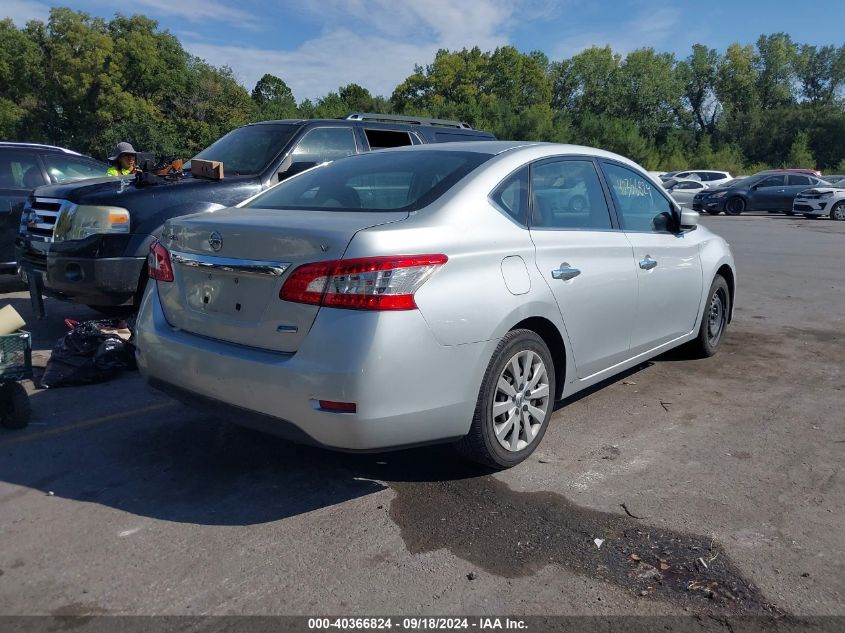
x=207, y=169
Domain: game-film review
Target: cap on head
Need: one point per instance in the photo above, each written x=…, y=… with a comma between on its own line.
x=122, y=148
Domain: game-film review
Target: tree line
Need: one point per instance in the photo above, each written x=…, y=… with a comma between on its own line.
x=85, y=82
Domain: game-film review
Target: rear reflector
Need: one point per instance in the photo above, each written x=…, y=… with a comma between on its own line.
x=158, y=263
x=368, y=283
x=338, y=407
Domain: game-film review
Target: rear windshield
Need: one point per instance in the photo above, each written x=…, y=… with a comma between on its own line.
x=381, y=181
x=247, y=150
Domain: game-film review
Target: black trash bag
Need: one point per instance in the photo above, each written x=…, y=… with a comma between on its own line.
x=91, y=352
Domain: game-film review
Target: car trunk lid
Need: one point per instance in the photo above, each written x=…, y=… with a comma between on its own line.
x=229, y=267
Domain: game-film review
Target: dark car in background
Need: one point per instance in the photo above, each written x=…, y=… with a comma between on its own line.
x=772, y=192
x=89, y=241
x=25, y=166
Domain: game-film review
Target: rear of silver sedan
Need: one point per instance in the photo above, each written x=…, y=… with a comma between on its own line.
x=259, y=313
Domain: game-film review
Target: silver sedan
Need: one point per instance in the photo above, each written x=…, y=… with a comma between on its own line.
x=420, y=295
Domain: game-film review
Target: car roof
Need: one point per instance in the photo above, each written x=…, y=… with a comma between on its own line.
x=41, y=146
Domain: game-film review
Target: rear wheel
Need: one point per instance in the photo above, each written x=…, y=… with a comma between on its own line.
x=714, y=321
x=837, y=212
x=14, y=406
x=734, y=206
x=514, y=404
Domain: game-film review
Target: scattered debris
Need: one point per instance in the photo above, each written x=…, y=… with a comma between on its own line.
x=628, y=382
x=635, y=558
x=644, y=592
x=472, y=575
x=50, y=493
x=664, y=566
x=544, y=460
x=703, y=564
x=629, y=513
x=805, y=575
x=598, y=542
x=665, y=405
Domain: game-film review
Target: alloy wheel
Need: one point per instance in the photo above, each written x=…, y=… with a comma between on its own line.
x=521, y=401
x=717, y=316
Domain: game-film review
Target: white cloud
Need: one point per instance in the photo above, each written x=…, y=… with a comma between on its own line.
x=196, y=11
x=22, y=11
x=652, y=29
x=374, y=43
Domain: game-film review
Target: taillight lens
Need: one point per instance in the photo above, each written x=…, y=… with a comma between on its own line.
x=158, y=263
x=368, y=283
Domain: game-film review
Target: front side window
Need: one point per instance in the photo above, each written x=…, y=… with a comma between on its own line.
x=640, y=205
x=62, y=168
x=19, y=170
x=772, y=181
x=381, y=181
x=324, y=144
x=567, y=194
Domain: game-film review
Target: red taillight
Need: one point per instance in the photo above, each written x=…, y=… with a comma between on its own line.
x=338, y=407
x=158, y=263
x=368, y=283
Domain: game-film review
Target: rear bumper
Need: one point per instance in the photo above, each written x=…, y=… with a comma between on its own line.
x=408, y=388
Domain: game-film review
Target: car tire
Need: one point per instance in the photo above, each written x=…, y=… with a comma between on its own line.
x=734, y=206
x=713, y=211
x=503, y=439
x=837, y=211
x=789, y=212
x=810, y=216
x=14, y=406
x=714, y=320
x=577, y=204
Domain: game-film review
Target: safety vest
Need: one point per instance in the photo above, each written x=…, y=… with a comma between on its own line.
x=114, y=170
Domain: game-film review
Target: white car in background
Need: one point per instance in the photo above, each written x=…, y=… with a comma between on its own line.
x=711, y=177
x=820, y=201
x=683, y=191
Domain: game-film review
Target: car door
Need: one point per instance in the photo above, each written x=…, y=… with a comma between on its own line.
x=795, y=184
x=767, y=194
x=20, y=173
x=667, y=263
x=585, y=259
x=684, y=192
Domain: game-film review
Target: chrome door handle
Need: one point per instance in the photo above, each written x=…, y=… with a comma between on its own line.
x=647, y=263
x=565, y=272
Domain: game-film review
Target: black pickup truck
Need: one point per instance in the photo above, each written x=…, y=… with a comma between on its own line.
x=89, y=241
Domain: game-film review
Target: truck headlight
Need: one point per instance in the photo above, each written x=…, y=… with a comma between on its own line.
x=80, y=221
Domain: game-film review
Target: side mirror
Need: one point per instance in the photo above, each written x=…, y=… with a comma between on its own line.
x=296, y=168
x=689, y=219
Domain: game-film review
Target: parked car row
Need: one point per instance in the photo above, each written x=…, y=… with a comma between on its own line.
x=767, y=191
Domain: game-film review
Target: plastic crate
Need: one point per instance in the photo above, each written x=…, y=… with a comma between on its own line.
x=15, y=356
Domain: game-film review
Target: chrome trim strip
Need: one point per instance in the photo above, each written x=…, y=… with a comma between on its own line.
x=244, y=266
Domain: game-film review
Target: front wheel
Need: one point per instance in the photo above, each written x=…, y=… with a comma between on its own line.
x=514, y=404
x=714, y=321
x=734, y=206
x=810, y=216
x=837, y=212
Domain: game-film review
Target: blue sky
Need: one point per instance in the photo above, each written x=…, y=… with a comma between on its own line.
x=318, y=45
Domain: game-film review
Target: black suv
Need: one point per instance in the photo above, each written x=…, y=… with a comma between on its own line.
x=90, y=241
x=25, y=166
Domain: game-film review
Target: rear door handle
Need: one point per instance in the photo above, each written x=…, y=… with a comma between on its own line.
x=565, y=272
x=647, y=263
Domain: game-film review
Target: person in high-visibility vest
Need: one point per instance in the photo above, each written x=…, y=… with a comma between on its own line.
x=123, y=160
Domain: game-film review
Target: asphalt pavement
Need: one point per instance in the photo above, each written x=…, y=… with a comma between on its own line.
x=682, y=487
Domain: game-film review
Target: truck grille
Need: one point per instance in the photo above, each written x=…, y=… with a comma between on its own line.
x=41, y=217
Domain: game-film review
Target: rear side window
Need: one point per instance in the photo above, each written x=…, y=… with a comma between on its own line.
x=382, y=139
x=567, y=194
x=383, y=181
x=512, y=196
x=640, y=206
x=793, y=179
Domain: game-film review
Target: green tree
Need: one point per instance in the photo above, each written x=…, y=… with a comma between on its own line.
x=800, y=155
x=273, y=99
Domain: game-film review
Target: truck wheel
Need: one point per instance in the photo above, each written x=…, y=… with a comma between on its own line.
x=14, y=406
x=514, y=404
